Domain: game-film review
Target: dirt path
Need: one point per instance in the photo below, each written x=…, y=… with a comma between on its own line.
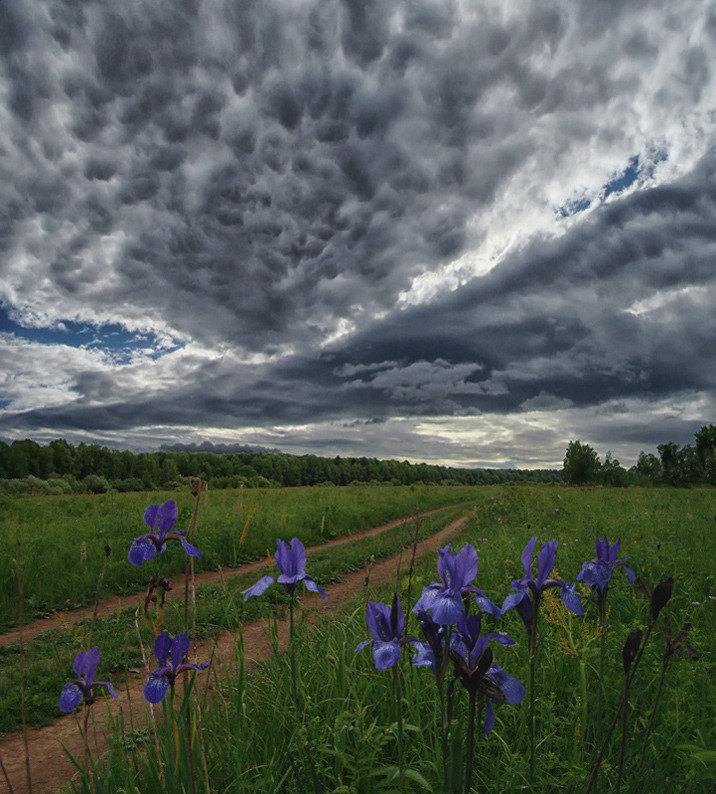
x=50, y=767
x=110, y=606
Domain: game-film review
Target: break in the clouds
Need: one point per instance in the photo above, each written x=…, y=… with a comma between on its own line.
x=443, y=230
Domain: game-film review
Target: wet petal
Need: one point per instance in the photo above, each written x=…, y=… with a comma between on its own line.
x=141, y=549
x=156, y=687
x=70, y=697
x=386, y=654
x=571, y=600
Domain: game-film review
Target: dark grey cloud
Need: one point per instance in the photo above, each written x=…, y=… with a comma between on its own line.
x=351, y=210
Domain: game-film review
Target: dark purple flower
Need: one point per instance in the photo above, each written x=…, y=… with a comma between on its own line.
x=444, y=599
x=474, y=668
x=431, y=653
x=597, y=572
x=291, y=563
x=161, y=520
x=529, y=589
x=170, y=654
x=386, y=624
x=73, y=694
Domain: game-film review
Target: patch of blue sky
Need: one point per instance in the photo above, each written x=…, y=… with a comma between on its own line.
x=113, y=339
x=637, y=170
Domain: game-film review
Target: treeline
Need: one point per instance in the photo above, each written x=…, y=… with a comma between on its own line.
x=59, y=467
x=692, y=464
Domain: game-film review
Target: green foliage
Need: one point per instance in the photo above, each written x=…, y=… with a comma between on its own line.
x=581, y=464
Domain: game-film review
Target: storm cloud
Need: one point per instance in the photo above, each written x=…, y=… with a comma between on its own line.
x=450, y=230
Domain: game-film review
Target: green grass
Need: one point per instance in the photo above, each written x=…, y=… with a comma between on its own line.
x=345, y=732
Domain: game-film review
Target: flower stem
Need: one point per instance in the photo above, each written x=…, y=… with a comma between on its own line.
x=401, y=740
x=470, y=750
x=292, y=651
x=653, y=711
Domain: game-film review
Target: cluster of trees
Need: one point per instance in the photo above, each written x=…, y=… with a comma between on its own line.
x=692, y=464
x=60, y=467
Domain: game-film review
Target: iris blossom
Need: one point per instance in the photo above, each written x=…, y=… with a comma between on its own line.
x=532, y=586
x=444, y=599
x=597, y=573
x=472, y=658
x=291, y=563
x=73, y=694
x=170, y=654
x=386, y=624
x=161, y=521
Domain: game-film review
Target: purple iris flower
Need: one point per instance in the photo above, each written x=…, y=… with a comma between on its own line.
x=444, y=599
x=170, y=654
x=386, y=624
x=535, y=586
x=472, y=658
x=73, y=694
x=161, y=520
x=291, y=563
x=597, y=573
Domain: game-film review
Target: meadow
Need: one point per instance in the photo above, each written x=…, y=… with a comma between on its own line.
x=323, y=718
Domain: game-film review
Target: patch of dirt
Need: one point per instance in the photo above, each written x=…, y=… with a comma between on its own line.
x=50, y=769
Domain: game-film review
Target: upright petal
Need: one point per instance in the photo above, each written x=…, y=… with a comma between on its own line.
x=180, y=648
x=545, y=562
x=109, y=687
x=462, y=567
x=614, y=550
x=85, y=664
x=162, y=647
x=377, y=618
x=70, y=697
x=291, y=560
x=527, y=556
x=602, y=549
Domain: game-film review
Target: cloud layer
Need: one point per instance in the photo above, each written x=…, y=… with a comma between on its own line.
x=455, y=231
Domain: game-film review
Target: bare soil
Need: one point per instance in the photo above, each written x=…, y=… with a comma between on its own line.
x=49, y=766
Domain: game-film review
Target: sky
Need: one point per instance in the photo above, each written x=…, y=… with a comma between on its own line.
x=451, y=231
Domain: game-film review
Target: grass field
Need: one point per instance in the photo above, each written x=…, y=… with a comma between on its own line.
x=343, y=734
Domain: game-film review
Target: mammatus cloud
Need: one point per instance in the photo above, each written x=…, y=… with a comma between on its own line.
x=428, y=214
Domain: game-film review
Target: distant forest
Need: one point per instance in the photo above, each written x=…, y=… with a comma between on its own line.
x=59, y=467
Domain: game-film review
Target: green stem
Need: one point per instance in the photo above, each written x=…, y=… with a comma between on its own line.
x=533, y=659
x=292, y=651
x=401, y=740
x=470, y=750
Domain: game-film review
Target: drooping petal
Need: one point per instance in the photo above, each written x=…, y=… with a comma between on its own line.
x=486, y=605
x=362, y=645
x=192, y=551
x=489, y=717
x=527, y=555
x=630, y=575
x=386, y=654
x=180, y=647
x=142, y=548
x=570, y=599
x=260, y=587
x=162, y=647
x=425, y=656
x=70, y=697
x=312, y=586
x=108, y=686
x=156, y=687
x=511, y=688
